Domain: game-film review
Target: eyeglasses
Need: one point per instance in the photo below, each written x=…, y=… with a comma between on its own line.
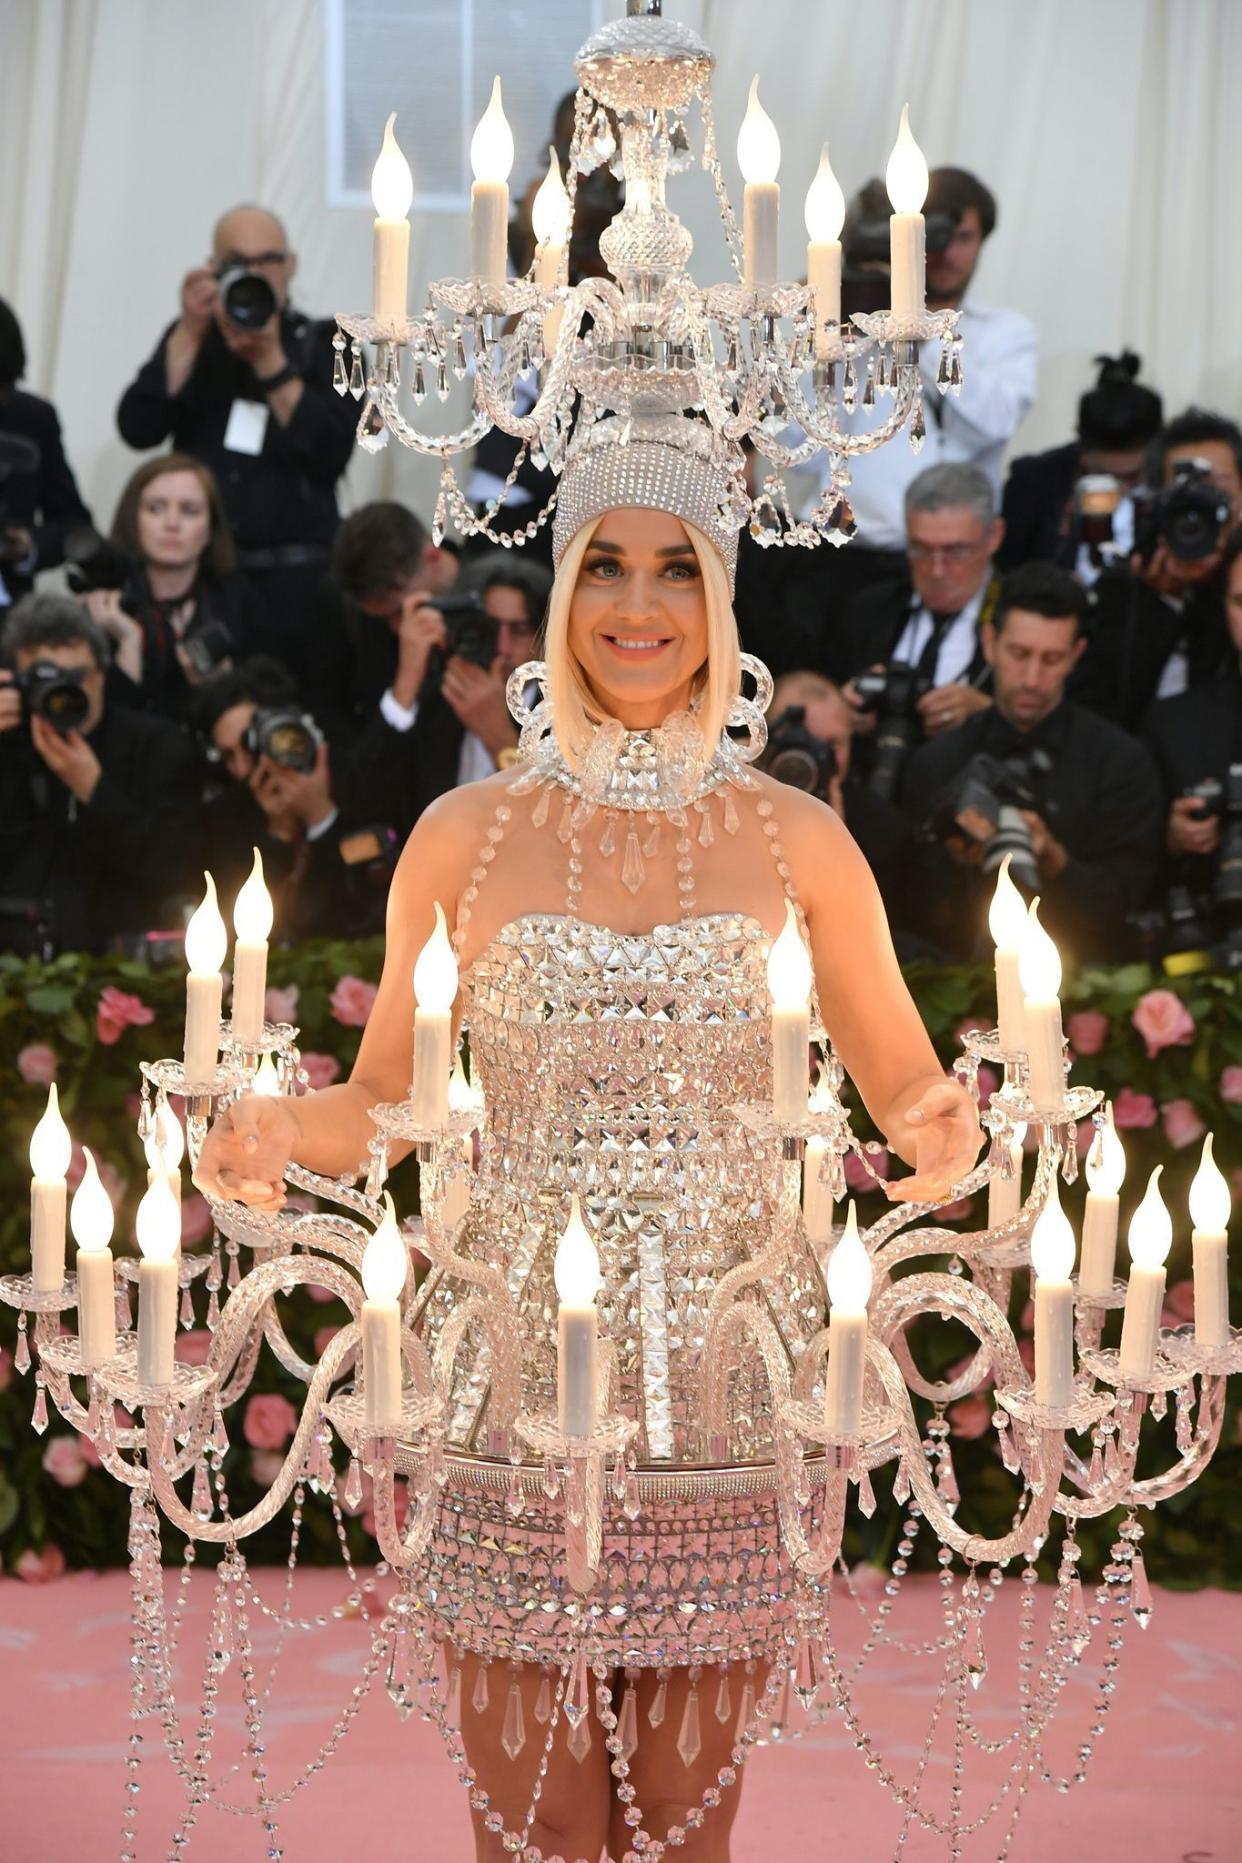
x=949, y=552
x=253, y=261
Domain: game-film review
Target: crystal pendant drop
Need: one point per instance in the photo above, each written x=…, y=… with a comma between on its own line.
x=357, y=381
x=868, y=396
x=1095, y=1474
x=631, y=1505
x=187, y=1308
x=543, y=802
x=689, y=1739
x=479, y=1698
x=955, y=373
x=551, y=1483
x=213, y=1311
x=973, y=1654
x=201, y=1502
x=947, y=1484
x=234, y=1273
x=732, y=820
x=866, y=1495
x=608, y=840
x=1184, y=1425
x=805, y=1678
x=21, y=1354
x=627, y=1722
x=779, y=1720
x=942, y=373
x=1009, y=1451
x=918, y=427
x=373, y=428
x=452, y=1699
x=459, y=356
x=659, y=1701
x=633, y=872
x=746, y=1713
x=122, y=1311
x=849, y=387
x=419, y=389
x=1077, y=1623
x=577, y=1695
x=220, y=1435
x=340, y=380
x=352, y=1494
x=38, y=1416
x=706, y=832
x=514, y=1501
x=651, y=846
x=442, y=381
x=901, y=1485
x=579, y=1741
x=1140, y=1592
x=724, y=1698
x=565, y=827
x=513, y=1732
x=543, y=1701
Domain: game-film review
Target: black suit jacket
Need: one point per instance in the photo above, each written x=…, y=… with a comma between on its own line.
x=1133, y=631
x=46, y=502
x=1035, y=508
x=1199, y=734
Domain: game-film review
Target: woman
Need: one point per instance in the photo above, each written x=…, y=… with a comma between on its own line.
x=614, y=907
x=185, y=612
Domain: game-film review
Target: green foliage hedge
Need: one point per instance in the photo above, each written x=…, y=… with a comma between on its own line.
x=1192, y=1540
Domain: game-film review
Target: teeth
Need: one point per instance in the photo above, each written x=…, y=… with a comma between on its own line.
x=636, y=646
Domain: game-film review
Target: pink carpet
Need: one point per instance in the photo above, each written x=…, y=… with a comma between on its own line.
x=1165, y=1787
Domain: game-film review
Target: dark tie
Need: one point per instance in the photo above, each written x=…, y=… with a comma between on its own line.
x=931, y=651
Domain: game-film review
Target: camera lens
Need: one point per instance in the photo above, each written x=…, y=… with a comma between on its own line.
x=64, y=706
x=248, y=299
x=291, y=745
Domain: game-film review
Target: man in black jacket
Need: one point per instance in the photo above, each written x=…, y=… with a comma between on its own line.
x=95, y=817
x=1089, y=828
x=39, y=497
x=254, y=401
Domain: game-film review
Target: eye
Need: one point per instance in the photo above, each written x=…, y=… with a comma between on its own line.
x=601, y=565
x=682, y=572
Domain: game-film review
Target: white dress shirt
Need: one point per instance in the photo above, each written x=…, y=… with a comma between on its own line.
x=957, y=646
x=474, y=759
x=1000, y=369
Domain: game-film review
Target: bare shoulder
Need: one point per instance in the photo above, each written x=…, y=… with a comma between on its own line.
x=444, y=843
x=823, y=855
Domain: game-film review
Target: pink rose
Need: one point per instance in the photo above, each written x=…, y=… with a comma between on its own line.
x=1182, y=1124
x=1163, y=1021
x=66, y=1461
x=195, y=1219
x=321, y=1069
x=1179, y=1304
x=352, y=1001
x=41, y=1568
x=858, y=1177
x=270, y=1421
x=37, y=1064
x=1132, y=1110
x=969, y=1025
x=118, y=1012
x=971, y=1417
x=1087, y=1030
x=281, y=1005
x=1230, y=1085
x=955, y=1212
x=323, y=1339
x=192, y=1347
x=265, y=1465
x=322, y=1294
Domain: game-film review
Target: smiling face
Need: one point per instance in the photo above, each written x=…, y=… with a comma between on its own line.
x=638, y=618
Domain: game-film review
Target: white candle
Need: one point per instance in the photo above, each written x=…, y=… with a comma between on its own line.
x=789, y=981
x=1005, y=1193
x=759, y=158
x=1106, y=1170
x=1039, y=968
x=252, y=921
x=1052, y=1263
x=435, y=989
x=491, y=158
x=392, y=190
x=577, y=1276
x=816, y=1195
x=384, y=1267
x=206, y=942
x=1007, y=924
x=90, y=1217
x=50, y=1151
x=165, y=1147
x=906, y=179
x=849, y=1289
x=824, y=214
x=1151, y=1237
x=550, y=220
x=1209, y=1240
x=456, y=1198
x=158, y=1225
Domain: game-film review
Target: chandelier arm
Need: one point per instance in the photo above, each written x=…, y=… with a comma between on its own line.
x=835, y=438
x=242, y=1314
x=402, y=1548
x=459, y=442
x=739, y=1318
x=935, y=1391
x=340, y=1190
x=237, y=1527
x=500, y=1319
x=1123, y=1490
x=276, y=1336
x=242, y=1372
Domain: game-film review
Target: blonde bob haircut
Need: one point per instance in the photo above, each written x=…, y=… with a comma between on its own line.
x=575, y=708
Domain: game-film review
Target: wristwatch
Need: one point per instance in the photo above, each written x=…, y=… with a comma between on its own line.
x=269, y=383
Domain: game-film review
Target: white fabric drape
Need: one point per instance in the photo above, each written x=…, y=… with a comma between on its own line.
x=1108, y=131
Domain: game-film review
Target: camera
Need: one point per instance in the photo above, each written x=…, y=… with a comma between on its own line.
x=865, y=281
x=1224, y=801
x=247, y=299
x=1096, y=498
x=290, y=737
x=471, y=630
x=52, y=692
x=985, y=802
x=208, y=648
x=91, y=562
x=893, y=694
x=796, y=756
x=1189, y=517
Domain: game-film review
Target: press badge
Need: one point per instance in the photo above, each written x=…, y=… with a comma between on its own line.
x=247, y=427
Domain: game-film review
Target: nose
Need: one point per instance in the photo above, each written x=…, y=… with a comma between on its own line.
x=639, y=598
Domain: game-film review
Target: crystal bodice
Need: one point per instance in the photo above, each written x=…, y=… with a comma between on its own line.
x=610, y=1062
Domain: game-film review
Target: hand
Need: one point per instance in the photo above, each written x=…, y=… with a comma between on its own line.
x=944, y=1123
x=420, y=630
x=945, y=707
x=247, y=1151
x=306, y=796
x=105, y=610
x=10, y=702
x=478, y=698
x=1050, y=856
x=1189, y=831
x=862, y=721
x=16, y=544
x=1166, y=574
x=261, y=348
x=69, y=757
x=199, y=297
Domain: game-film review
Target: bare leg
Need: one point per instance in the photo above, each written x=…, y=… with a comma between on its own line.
x=571, y=1817
x=665, y=1787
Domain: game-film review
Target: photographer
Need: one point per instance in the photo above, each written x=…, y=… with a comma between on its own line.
x=39, y=496
x=910, y=654
x=164, y=588
x=1073, y=505
x=1159, y=625
x=244, y=384
x=1196, y=740
x=96, y=802
x=1074, y=800
x=328, y=874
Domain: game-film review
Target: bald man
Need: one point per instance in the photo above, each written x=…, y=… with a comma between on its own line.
x=257, y=406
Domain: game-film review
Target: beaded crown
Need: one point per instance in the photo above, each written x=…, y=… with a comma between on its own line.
x=666, y=462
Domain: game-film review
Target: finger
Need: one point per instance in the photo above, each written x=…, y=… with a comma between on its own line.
x=246, y=1122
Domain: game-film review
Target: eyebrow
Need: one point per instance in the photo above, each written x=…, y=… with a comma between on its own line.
x=616, y=549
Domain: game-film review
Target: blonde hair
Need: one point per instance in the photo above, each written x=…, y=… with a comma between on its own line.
x=575, y=708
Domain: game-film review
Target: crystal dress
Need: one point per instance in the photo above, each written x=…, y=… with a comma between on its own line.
x=610, y=1065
